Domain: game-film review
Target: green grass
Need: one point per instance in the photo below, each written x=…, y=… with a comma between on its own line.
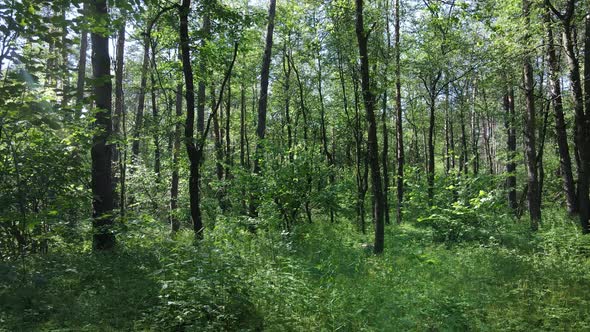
x=318, y=278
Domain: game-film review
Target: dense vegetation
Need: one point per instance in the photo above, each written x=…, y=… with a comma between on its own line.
x=302, y=165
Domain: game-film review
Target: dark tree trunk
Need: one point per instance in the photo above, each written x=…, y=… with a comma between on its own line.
x=141, y=101
x=194, y=154
x=560, y=125
x=263, y=100
x=510, y=148
x=372, y=144
x=399, y=117
x=533, y=196
x=155, y=116
x=582, y=120
x=102, y=190
x=118, y=174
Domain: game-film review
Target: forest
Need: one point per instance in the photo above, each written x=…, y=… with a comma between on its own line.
x=311, y=165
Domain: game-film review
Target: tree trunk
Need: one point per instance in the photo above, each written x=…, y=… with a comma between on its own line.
x=510, y=117
x=118, y=179
x=560, y=125
x=399, y=117
x=81, y=67
x=263, y=100
x=202, y=93
x=102, y=190
x=372, y=144
x=174, y=222
x=228, y=150
x=155, y=116
x=194, y=154
x=533, y=196
x=141, y=101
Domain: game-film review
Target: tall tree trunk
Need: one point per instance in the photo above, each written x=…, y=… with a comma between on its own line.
x=431, y=123
x=202, y=92
x=217, y=142
x=325, y=143
x=174, y=222
x=228, y=150
x=533, y=196
x=560, y=125
x=102, y=190
x=141, y=100
x=287, y=86
x=242, y=125
x=155, y=124
x=263, y=100
x=372, y=144
x=118, y=179
x=194, y=154
x=81, y=67
x=385, y=160
x=399, y=117
x=584, y=138
x=510, y=118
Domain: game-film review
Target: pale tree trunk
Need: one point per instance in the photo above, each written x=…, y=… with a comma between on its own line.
x=399, y=117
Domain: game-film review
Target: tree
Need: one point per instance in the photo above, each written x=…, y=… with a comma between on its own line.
x=372, y=143
x=263, y=100
x=102, y=190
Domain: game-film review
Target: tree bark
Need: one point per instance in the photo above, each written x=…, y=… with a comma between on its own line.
x=399, y=117
x=560, y=125
x=533, y=196
x=263, y=101
x=118, y=174
x=81, y=67
x=372, y=144
x=141, y=100
x=174, y=222
x=102, y=190
x=194, y=154
x=510, y=147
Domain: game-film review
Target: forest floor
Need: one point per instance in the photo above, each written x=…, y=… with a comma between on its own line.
x=317, y=278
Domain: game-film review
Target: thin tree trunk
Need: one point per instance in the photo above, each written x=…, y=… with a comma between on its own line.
x=81, y=68
x=193, y=152
x=263, y=101
x=118, y=179
x=373, y=145
x=228, y=150
x=529, y=136
x=511, y=148
x=141, y=101
x=399, y=117
x=102, y=190
x=174, y=222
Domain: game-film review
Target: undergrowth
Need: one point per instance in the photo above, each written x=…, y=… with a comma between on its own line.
x=318, y=277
